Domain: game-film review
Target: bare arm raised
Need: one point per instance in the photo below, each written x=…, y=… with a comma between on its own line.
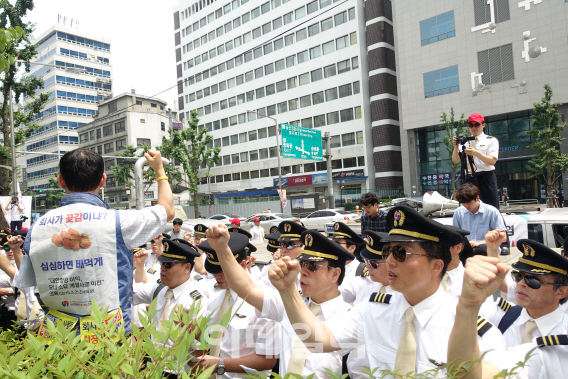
x=218, y=238
x=165, y=195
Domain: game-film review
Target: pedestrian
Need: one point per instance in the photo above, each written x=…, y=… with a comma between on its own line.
x=374, y=218
x=560, y=196
x=177, y=233
x=16, y=213
x=101, y=241
x=257, y=231
x=235, y=222
x=505, y=199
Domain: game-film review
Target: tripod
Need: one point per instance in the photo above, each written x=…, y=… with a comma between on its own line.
x=465, y=160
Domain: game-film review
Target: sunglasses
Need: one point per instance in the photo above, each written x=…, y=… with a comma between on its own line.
x=340, y=243
x=399, y=253
x=474, y=125
x=531, y=281
x=374, y=263
x=311, y=266
x=289, y=245
x=168, y=265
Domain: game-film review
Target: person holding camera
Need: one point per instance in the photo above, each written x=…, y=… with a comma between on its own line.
x=484, y=150
x=16, y=214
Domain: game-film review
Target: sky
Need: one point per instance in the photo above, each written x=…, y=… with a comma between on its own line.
x=141, y=34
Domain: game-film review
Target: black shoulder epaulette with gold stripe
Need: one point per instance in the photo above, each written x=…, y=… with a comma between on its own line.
x=196, y=295
x=378, y=297
x=504, y=304
x=198, y=277
x=151, y=271
x=159, y=281
x=483, y=326
x=365, y=272
x=552, y=340
x=216, y=285
x=490, y=137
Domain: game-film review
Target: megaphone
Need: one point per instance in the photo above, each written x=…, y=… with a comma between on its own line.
x=433, y=202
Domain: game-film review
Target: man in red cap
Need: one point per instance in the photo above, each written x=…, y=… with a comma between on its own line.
x=485, y=152
x=235, y=222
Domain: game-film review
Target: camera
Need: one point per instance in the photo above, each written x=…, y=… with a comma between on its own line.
x=23, y=218
x=462, y=140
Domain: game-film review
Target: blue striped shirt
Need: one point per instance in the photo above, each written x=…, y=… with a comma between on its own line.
x=486, y=218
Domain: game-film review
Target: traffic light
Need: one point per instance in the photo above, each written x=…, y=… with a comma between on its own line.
x=211, y=199
x=40, y=191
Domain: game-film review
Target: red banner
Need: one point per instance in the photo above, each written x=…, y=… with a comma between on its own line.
x=302, y=180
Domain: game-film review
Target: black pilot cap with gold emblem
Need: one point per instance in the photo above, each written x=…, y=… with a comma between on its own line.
x=237, y=243
x=374, y=248
x=199, y=230
x=178, y=250
x=317, y=247
x=239, y=230
x=407, y=225
x=290, y=231
x=342, y=231
x=272, y=239
x=538, y=259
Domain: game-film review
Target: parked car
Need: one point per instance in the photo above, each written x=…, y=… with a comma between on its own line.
x=318, y=219
x=270, y=221
x=227, y=217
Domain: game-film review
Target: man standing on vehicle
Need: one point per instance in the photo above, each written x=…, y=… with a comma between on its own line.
x=374, y=219
x=177, y=233
x=85, y=245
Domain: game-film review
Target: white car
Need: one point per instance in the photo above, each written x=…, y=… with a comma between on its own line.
x=318, y=219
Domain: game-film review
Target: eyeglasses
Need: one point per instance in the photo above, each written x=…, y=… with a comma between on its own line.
x=399, y=253
x=168, y=265
x=531, y=281
x=312, y=266
x=474, y=125
x=289, y=245
x=374, y=263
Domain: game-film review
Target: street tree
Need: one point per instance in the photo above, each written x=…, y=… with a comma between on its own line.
x=546, y=126
x=192, y=148
x=453, y=129
x=7, y=38
x=55, y=193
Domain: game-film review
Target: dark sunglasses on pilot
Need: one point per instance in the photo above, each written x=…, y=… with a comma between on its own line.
x=312, y=266
x=168, y=265
x=374, y=263
x=531, y=281
x=399, y=253
x=288, y=245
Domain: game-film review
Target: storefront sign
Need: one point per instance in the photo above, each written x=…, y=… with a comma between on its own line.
x=348, y=174
x=435, y=179
x=302, y=180
x=177, y=126
x=284, y=182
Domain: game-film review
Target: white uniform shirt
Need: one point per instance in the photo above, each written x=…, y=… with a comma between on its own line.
x=555, y=322
x=333, y=312
x=15, y=214
x=455, y=283
x=257, y=233
x=351, y=282
x=182, y=296
x=488, y=146
x=434, y=322
x=247, y=333
x=5, y=282
x=545, y=362
x=151, y=278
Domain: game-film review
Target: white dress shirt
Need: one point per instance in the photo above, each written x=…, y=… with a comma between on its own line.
x=545, y=362
x=333, y=312
x=257, y=233
x=487, y=146
x=455, y=283
x=182, y=296
x=555, y=322
x=380, y=327
x=351, y=282
x=247, y=333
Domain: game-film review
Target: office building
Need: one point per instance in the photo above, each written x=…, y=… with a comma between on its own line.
x=126, y=120
x=81, y=79
x=300, y=62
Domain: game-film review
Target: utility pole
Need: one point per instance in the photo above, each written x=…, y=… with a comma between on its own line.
x=13, y=147
x=328, y=156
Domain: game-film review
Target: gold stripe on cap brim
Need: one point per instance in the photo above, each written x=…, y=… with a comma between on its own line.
x=274, y=246
x=414, y=234
x=320, y=255
x=290, y=235
x=543, y=266
x=374, y=251
x=341, y=234
x=217, y=263
x=173, y=256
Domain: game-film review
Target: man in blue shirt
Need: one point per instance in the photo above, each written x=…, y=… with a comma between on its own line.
x=374, y=219
x=476, y=217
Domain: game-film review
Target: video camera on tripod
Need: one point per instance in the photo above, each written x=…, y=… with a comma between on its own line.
x=465, y=159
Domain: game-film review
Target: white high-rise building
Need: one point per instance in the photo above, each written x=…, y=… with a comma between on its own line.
x=82, y=78
x=301, y=62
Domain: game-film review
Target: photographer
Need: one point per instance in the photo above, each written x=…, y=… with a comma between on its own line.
x=484, y=150
x=16, y=214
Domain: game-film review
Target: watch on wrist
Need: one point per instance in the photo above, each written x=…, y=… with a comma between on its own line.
x=221, y=367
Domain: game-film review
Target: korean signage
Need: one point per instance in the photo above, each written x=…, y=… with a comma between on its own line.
x=338, y=176
x=436, y=179
x=301, y=143
x=302, y=180
x=177, y=126
x=284, y=182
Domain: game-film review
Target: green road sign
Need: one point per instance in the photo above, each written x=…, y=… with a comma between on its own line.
x=301, y=143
